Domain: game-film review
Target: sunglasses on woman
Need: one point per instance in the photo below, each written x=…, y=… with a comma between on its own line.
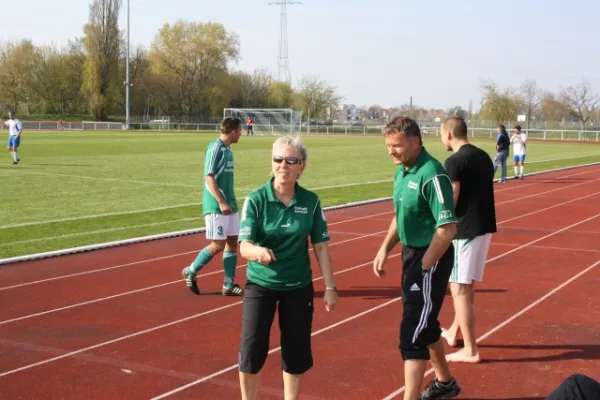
x=288, y=160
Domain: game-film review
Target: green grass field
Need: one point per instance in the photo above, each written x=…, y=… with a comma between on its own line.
x=73, y=189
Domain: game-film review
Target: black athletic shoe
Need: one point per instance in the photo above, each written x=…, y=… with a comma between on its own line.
x=234, y=290
x=437, y=390
x=190, y=281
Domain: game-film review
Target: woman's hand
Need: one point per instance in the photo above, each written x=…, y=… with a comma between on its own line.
x=330, y=298
x=265, y=256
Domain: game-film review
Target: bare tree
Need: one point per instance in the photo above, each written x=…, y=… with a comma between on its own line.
x=532, y=97
x=581, y=100
x=102, y=40
x=315, y=96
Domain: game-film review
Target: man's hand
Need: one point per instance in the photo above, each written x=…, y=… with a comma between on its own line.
x=225, y=208
x=330, y=298
x=379, y=262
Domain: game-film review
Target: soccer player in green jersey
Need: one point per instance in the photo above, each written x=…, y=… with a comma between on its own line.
x=220, y=209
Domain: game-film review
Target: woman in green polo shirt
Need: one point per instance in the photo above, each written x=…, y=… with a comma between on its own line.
x=278, y=221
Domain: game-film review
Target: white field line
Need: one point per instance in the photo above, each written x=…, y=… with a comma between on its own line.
x=215, y=272
x=135, y=240
x=97, y=178
x=47, y=238
x=171, y=256
x=512, y=318
x=50, y=221
x=563, y=158
x=120, y=228
x=232, y=367
x=330, y=224
x=139, y=333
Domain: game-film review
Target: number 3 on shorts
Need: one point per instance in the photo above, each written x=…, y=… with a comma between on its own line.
x=219, y=226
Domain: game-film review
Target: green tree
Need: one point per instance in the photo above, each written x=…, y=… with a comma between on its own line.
x=16, y=66
x=191, y=57
x=498, y=106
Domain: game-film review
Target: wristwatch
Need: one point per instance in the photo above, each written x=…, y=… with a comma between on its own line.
x=331, y=288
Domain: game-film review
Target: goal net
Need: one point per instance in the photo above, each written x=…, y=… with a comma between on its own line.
x=268, y=121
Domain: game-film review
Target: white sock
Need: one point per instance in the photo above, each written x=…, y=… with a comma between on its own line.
x=516, y=171
x=16, y=155
x=522, y=168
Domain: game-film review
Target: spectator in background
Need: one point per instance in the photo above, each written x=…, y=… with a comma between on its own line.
x=519, y=142
x=502, y=150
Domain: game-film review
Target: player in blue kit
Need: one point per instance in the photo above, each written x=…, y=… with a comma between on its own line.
x=14, y=136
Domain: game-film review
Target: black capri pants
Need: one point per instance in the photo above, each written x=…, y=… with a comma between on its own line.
x=295, y=324
x=422, y=296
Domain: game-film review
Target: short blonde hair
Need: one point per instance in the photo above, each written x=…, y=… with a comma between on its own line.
x=294, y=142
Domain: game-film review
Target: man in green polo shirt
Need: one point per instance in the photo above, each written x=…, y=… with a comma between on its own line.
x=425, y=224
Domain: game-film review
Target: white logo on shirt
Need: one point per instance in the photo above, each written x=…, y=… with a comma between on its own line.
x=445, y=215
x=412, y=185
x=301, y=210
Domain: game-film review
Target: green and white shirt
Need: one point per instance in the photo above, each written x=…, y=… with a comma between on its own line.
x=423, y=200
x=267, y=222
x=218, y=161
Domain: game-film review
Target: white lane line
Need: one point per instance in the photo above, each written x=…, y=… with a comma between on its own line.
x=181, y=388
x=154, y=287
x=33, y=223
x=155, y=328
x=509, y=320
x=157, y=259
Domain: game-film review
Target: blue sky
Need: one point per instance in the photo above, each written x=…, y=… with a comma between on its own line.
x=379, y=51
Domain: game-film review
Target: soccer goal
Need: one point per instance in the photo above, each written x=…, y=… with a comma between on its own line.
x=268, y=121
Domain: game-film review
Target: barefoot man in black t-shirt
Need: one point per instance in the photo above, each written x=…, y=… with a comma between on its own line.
x=471, y=172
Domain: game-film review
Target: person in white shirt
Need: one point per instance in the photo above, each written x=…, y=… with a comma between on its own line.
x=14, y=136
x=519, y=142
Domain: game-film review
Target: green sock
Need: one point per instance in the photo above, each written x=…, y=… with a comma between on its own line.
x=201, y=260
x=229, y=265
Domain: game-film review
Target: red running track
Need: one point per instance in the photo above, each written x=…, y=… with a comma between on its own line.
x=120, y=323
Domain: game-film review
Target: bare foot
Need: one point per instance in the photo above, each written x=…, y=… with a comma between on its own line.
x=449, y=338
x=463, y=356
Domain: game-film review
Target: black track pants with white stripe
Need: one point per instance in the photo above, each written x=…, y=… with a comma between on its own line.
x=576, y=387
x=422, y=296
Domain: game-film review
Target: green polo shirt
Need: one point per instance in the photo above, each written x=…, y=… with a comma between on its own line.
x=286, y=231
x=423, y=200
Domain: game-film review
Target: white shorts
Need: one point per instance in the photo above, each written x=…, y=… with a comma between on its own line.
x=469, y=259
x=220, y=227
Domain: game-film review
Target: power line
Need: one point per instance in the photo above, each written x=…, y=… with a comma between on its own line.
x=283, y=62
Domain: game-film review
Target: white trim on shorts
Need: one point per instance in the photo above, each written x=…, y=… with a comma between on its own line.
x=469, y=259
x=220, y=226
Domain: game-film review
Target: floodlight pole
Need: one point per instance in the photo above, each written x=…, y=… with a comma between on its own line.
x=127, y=78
